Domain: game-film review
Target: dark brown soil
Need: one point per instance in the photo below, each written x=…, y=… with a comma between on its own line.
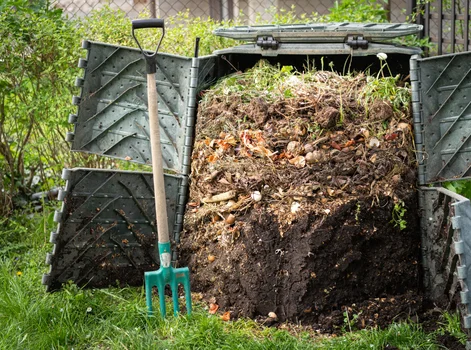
x=354, y=262
x=292, y=209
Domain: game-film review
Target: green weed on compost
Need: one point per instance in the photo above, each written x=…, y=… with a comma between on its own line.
x=303, y=200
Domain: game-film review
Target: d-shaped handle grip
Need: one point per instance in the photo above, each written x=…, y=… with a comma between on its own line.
x=143, y=24
x=148, y=23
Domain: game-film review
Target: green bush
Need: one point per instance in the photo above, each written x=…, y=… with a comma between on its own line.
x=112, y=26
x=462, y=187
x=38, y=52
x=357, y=11
x=181, y=32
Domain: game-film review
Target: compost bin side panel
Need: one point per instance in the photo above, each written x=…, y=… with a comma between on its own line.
x=112, y=118
x=446, y=247
x=106, y=231
x=442, y=105
x=462, y=224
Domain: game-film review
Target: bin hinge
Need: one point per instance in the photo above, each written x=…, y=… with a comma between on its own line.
x=267, y=42
x=357, y=42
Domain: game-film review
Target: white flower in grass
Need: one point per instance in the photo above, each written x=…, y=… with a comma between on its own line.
x=89, y=309
x=382, y=56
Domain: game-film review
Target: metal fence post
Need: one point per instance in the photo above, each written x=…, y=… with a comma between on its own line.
x=387, y=8
x=153, y=13
x=411, y=8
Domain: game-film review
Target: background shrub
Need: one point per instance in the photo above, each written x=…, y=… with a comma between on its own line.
x=38, y=50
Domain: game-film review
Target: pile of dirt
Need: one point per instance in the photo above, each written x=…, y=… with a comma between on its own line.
x=302, y=199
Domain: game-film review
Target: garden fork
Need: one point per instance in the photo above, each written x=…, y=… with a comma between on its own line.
x=166, y=274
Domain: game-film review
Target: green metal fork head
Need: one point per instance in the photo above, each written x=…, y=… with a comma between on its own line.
x=167, y=275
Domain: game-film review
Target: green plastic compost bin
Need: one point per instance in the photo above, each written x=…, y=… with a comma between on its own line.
x=106, y=229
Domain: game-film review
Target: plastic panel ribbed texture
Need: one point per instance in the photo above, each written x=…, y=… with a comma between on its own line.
x=441, y=90
x=106, y=227
x=446, y=247
x=112, y=116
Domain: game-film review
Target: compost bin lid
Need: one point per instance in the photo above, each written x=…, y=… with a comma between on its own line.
x=356, y=39
x=320, y=32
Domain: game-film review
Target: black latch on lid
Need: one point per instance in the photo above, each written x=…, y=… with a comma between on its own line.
x=357, y=42
x=267, y=42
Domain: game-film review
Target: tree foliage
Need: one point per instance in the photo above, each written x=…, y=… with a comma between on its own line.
x=38, y=52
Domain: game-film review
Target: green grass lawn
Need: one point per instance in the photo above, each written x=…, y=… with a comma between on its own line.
x=116, y=318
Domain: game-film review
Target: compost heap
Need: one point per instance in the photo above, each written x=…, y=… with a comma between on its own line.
x=302, y=199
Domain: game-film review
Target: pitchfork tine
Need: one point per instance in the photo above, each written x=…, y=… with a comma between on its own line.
x=161, y=290
x=174, y=288
x=148, y=296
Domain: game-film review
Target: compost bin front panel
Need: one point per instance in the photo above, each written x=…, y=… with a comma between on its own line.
x=112, y=118
x=106, y=227
x=441, y=92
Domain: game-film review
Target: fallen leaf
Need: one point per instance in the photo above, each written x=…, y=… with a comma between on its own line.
x=264, y=151
x=282, y=155
x=212, y=158
x=253, y=141
x=213, y=308
x=226, y=316
x=226, y=143
x=349, y=143
x=335, y=145
x=390, y=137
